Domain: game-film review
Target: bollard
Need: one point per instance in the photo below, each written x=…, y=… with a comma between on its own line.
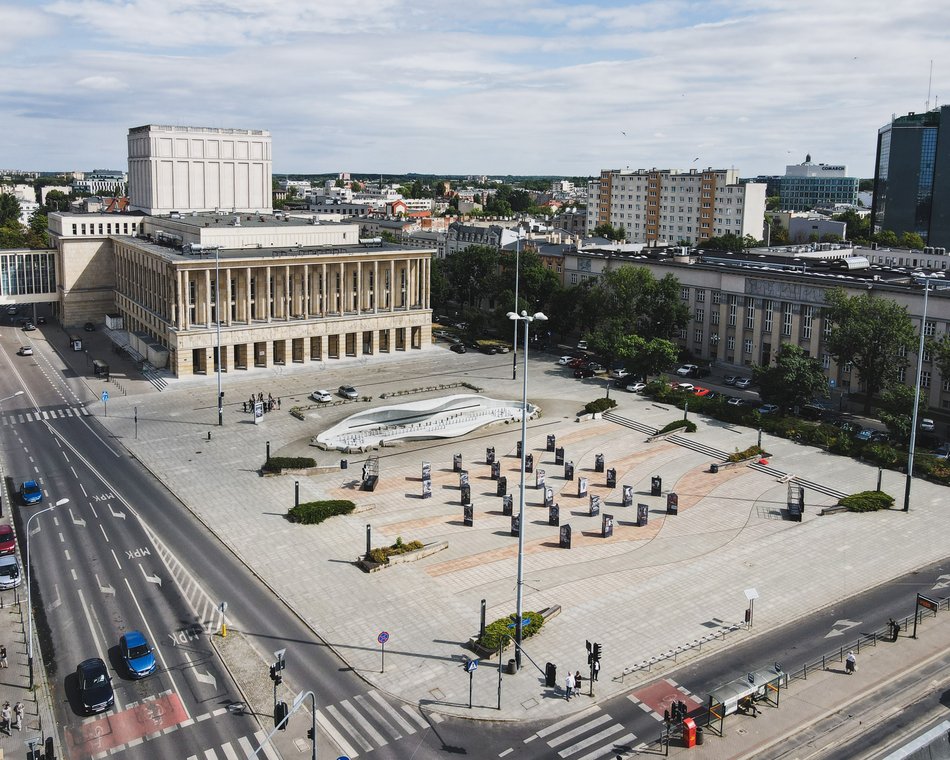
x=209, y=435
x=224, y=630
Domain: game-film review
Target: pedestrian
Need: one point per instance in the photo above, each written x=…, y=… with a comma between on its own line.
x=244, y=407
x=260, y=396
x=3, y=657
x=895, y=628
x=5, y=717
x=577, y=682
x=278, y=402
x=596, y=669
x=18, y=716
x=568, y=686
x=850, y=662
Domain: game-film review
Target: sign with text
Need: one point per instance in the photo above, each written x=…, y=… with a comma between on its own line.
x=628, y=496
x=643, y=514
x=607, y=525
x=565, y=537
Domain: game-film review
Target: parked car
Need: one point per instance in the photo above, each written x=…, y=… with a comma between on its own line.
x=881, y=437
x=576, y=362
x=583, y=372
x=7, y=539
x=864, y=434
x=743, y=382
x=768, y=409
x=700, y=391
x=619, y=373
x=95, y=685
x=582, y=345
x=943, y=450
x=9, y=572
x=733, y=401
x=29, y=327
x=348, y=392
x=25, y=351
x=137, y=654
x=487, y=348
x=41, y=320
x=595, y=367
x=636, y=387
x=501, y=348
x=458, y=348
x=30, y=492
x=89, y=327
x=565, y=360
x=684, y=387
x=730, y=379
x=686, y=370
x=927, y=425
x=321, y=396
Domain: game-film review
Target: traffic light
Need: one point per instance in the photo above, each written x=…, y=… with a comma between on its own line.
x=310, y=734
x=280, y=715
x=590, y=657
x=275, y=675
x=596, y=653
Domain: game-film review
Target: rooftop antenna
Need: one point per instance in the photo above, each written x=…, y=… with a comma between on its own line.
x=930, y=82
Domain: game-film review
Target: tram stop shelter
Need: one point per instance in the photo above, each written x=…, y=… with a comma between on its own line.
x=756, y=687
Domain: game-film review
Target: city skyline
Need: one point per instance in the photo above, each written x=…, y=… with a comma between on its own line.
x=543, y=88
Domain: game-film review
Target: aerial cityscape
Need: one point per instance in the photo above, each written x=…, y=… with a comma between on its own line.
x=406, y=381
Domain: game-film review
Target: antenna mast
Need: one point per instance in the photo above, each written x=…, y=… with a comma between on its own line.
x=930, y=81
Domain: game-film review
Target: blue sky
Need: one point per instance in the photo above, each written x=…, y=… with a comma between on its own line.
x=485, y=86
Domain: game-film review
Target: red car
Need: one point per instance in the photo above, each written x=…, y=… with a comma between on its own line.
x=700, y=391
x=576, y=362
x=7, y=539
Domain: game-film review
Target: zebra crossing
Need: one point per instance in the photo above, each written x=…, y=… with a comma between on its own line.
x=239, y=749
x=12, y=419
x=367, y=722
x=591, y=734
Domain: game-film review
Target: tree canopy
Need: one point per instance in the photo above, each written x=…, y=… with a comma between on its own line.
x=871, y=333
x=794, y=380
x=610, y=232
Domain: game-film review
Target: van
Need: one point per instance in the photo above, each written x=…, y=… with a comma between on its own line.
x=75, y=343
x=9, y=572
x=100, y=369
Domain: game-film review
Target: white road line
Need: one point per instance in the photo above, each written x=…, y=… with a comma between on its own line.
x=229, y=752
x=555, y=727
x=99, y=648
x=46, y=417
x=85, y=495
x=73, y=470
x=391, y=711
x=582, y=729
x=158, y=649
x=73, y=571
x=411, y=712
x=591, y=740
x=116, y=558
x=330, y=730
x=210, y=755
x=94, y=513
x=363, y=723
x=106, y=536
x=269, y=752
x=348, y=727
x=66, y=552
x=627, y=739
x=374, y=713
x=510, y=749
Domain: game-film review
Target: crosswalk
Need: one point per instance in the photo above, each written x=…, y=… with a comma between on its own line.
x=591, y=734
x=367, y=722
x=238, y=749
x=12, y=419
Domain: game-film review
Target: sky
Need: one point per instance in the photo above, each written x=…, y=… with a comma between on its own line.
x=542, y=87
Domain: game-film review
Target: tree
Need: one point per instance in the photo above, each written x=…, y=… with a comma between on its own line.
x=472, y=273
x=912, y=240
x=9, y=209
x=772, y=203
x=857, y=226
x=520, y=201
x=794, y=380
x=896, y=409
x=729, y=242
x=536, y=282
x=438, y=284
x=870, y=333
x=56, y=200
x=887, y=238
x=610, y=232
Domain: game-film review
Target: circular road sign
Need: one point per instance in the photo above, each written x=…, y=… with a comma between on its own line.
x=383, y=637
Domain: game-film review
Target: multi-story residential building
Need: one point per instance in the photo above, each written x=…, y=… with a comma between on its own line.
x=102, y=182
x=199, y=169
x=668, y=206
x=808, y=185
x=912, y=176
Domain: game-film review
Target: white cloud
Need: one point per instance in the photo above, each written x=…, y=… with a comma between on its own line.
x=104, y=83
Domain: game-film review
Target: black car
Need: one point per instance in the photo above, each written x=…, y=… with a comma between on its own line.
x=458, y=348
x=489, y=349
x=89, y=327
x=583, y=372
x=95, y=685
x=41, y=320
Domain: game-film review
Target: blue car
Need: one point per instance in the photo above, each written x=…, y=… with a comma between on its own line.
x=31, y=493
x=137, y=654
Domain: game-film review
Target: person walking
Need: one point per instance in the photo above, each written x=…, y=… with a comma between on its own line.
x=850, y=663
x=18, y=716
x=596, y=669
x=568, y=685
x=3, y=657
x=5, y=714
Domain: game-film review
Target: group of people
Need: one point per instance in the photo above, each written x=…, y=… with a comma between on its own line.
x=269, y=404
x=11, y=717
x=572, y=683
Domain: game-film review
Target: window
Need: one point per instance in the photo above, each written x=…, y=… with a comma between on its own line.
x=787, y=319
x=747, y=346
x=684, y=294
x=714, y=316
x=698, y=336
x=717, y=297
x=925, y=379
x=767, y=323
x=825, y=361
x=902, y=351
x=731, y=342
x=807, y=316
x=930, y=328
x=74, y=229
x=926, y=356
x=946, y=386
x=732, y=313
x=699, y=315
x=573, y=279
x=750, y=315
x=902, y=375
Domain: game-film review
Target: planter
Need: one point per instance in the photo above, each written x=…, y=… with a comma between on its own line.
x=400, y=559
x=487, y=654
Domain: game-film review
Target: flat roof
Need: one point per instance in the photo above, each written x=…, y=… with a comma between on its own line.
x=204, y=219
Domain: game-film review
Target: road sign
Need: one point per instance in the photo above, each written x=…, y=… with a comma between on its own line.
x=471, y=665
x=105, y=396
x=383, y=637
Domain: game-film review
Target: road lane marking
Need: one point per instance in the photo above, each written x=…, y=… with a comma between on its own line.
x=150, y=578
x=102, y=528
x=330, y=730
x=105, y=589
x=98, y=642
x=81, y=488
x=76, y=520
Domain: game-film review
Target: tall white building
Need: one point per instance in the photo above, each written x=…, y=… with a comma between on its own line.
x=667, y=205
x=199, y=169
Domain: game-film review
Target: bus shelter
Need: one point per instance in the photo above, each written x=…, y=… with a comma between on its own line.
x=758, y=686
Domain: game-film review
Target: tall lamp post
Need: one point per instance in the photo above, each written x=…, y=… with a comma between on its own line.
x=913, y=418
x=29, y=588
x=217, y=319
x=514, y=346
x=519, y=607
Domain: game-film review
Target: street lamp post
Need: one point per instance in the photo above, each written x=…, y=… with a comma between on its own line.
x=217, y=319
x=519, y=607
x=514, y=346
x=29, y=589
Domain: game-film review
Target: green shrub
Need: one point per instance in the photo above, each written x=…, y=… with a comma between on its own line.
x=882, y=454
x=313, y=512
x=599, y=405
x=867, y=501
x=382, y=554
x=276, y=464
x=752, y=451
x=689, y=425
x=499, y=630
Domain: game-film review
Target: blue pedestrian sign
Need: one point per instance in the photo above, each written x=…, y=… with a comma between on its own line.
x=471, y=665
x=105, y=396
x=383, y=637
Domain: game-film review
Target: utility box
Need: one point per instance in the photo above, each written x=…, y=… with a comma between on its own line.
x=689, y=732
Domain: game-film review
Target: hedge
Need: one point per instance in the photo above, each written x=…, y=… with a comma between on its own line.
x=276, y=464
x=676, y=424
x=498, y=631
x=382, y=554
x=313, y=512
x=867, y=501
x=752, y=451
x=599, y=405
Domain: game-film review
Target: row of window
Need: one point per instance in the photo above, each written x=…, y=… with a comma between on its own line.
x=105, y=228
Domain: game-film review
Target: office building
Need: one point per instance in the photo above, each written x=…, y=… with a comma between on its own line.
x=912, y=176
x=809, y=185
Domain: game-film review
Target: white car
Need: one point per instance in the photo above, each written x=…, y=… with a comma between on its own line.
x=687, y=370
x=684, y=386
x=619, y=374
x=927, y=425
x=28, y=351
x=565, y=360
x=321, y=396
x=636, y=387
x=582, y=345
x=743, y=382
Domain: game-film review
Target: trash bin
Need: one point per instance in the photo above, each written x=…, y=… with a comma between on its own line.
x=512, y=667
x=550, y=675
x=699, y=735
x=343, y=464
x=714, y=468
